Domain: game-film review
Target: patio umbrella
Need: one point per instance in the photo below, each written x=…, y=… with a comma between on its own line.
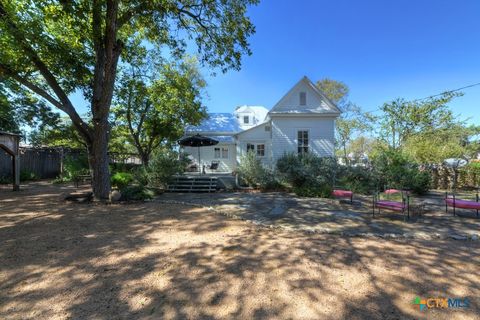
x=197, y=141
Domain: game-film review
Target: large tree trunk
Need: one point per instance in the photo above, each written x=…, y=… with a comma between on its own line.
x=99, y=161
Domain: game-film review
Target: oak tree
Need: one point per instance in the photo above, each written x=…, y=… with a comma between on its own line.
x=54, y=48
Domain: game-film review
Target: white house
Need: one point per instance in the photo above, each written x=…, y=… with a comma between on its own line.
x=302, y=121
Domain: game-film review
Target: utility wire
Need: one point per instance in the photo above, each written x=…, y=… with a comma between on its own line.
x=436, y=95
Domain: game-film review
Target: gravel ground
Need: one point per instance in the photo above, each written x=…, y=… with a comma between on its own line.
x=61, y=260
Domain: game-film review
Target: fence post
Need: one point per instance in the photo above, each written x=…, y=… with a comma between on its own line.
x=16, y=172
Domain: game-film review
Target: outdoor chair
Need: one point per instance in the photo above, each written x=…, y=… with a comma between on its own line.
x=452, y=201
x=339, y=193
x=214, y=165
x=402, y=206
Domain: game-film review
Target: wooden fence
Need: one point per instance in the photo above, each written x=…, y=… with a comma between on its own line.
x=46, y=163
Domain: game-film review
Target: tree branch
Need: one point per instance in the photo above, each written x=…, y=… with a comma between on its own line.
x=67, y=106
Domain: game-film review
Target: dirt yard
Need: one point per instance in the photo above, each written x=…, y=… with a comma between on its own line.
x=154, y=261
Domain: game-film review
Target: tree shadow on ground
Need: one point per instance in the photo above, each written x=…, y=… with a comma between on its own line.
x=150, y=260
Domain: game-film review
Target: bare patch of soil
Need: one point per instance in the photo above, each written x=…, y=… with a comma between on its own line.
x=61, y=260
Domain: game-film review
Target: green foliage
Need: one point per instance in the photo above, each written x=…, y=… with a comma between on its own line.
x=164, y=165
x=469, y=176
x=255, y=174
x=297, y=170
x=26, y=175
x=137, y=193
x=307, y=175
x=57, y=48
x=320, y=190
x=60, y=134
x=5, y=180
x=395, y=170
x=334, y=90
x=353, y=121
x=455, y=141
x=402, y=118
x=74, y=166
x=121, y=180
x=146, y=111
x=141, y=175
x=357, y=179
x=19, y=107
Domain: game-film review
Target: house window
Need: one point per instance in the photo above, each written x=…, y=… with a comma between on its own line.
x=246, y=119
x=221, y=153
x=303, y=98
x=302, y=141
x=260, y=150
x=224, y=153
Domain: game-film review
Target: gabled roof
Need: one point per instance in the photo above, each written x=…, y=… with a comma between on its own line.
x=324, y=107
x=259, y=112
x=217, y=122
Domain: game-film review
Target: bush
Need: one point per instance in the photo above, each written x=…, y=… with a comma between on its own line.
x=357, y=179
x=255, y=174
x=308, y=174
x=163, y=166
x=5, y=180
x=74, y=167
x=320, y=190
x=121, y=179
x=140, y=175
x=421, y=182
x=27, y=175
x=137, y=193
x=395, y=170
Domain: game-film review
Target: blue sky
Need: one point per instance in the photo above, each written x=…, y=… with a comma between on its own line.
x=381, y=49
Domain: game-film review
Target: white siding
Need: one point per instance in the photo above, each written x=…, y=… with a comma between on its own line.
x=291, y=102
x=321, y=135
x=207, y=155
x=256, y=135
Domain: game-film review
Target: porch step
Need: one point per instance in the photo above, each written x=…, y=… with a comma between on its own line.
x=193, y=184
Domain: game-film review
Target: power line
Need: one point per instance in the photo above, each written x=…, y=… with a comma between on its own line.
x=436, y=95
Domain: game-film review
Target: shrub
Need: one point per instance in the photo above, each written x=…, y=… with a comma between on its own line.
x=395, y=170
x=121, y=179
x=140, y=175
x=357, y=179
x=255, y=174
x=74, y=167
x=308, y=174
x=320, y=190
x=137, y=193
x=5, y=180
x=163, y=166
x=421, y=182
x=27, y=175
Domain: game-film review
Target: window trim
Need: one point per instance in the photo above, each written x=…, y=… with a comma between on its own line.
x=220, y=152
x=302, y=147
x=254, y=148
x=302, y=94
x=263, y=149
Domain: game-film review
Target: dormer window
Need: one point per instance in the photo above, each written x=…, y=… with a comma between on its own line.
x=246, y=119
x=303, y=98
